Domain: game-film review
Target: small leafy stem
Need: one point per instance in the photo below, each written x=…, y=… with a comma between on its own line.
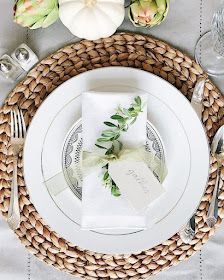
x=119, y=123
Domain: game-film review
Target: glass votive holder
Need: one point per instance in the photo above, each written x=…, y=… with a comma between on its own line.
x=9, y=69
x=25, y=57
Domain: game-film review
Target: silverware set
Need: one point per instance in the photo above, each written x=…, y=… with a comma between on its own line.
x=187, y=233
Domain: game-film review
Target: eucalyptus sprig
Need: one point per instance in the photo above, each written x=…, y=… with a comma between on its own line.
x=119, y=123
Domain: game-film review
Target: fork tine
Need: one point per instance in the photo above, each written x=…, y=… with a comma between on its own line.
x=20, y=133
x=23, y=123
x=12, y=124
x=15, y=124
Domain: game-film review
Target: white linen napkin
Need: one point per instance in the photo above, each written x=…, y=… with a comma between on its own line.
x=101, y=210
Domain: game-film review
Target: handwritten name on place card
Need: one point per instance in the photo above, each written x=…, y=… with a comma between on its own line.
x=136, y=182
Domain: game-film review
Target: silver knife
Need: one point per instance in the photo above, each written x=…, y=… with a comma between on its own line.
x=187, y=233
x=197, y=97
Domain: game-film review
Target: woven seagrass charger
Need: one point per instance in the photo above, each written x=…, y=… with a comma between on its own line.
x=123, y=49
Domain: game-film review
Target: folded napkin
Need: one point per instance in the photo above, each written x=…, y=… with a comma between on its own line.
x=101, y=210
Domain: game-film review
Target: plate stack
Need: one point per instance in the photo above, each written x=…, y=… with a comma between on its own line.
x=174, y=134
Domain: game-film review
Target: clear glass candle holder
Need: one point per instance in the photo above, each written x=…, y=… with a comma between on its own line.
x=9, y=69
x=25, y=57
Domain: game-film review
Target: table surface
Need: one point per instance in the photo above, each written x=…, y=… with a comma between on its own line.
x=186, y=22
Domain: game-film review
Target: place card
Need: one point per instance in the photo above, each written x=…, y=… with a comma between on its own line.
x=136, y=182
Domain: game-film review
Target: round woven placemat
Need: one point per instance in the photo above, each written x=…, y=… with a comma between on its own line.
x=122, y=49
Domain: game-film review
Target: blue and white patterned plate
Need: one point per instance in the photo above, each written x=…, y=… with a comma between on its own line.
x=72, y=150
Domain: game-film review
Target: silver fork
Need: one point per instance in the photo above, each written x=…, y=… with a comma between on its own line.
x=18, y=133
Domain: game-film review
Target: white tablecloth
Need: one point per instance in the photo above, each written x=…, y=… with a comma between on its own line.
x=187, y=20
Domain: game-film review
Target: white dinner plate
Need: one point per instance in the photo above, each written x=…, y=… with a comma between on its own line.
x=186, y=154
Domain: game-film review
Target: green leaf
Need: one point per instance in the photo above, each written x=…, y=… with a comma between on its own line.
x=106, y=176
x=116, y=137
x=110, y=124
x=122, y=122
x=134, y=114
x=101, y=147
x=108, y=133
x=110, y=150
x=117, y=117
x=115, y=191
x=137, y=108
x=120, y=145
x=103, y=139
x=138, y=101
x=105, y=166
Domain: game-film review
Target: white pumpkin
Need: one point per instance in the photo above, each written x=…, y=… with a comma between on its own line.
x=92, y=19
